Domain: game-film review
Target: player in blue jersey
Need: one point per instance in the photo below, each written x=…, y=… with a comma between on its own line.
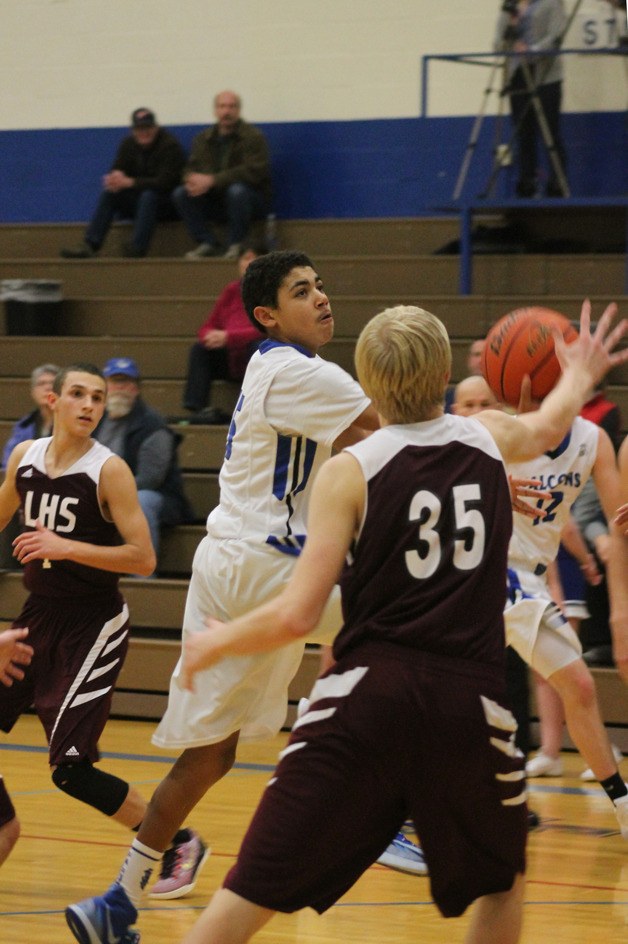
x=422, y=508
x=83, y=528
x=294, y=407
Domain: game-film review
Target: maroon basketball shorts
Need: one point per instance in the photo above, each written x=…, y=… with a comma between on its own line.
x=80, y=644
x=391, y=734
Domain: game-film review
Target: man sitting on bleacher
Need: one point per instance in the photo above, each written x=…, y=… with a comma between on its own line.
x=141, y=436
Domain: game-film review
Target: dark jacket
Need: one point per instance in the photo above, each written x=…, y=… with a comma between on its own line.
x=246, y=158
x=142, y=422
x=158, y=167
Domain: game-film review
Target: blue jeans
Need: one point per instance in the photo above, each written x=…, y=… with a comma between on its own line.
x=145, y=207
x=204, y=365
x=152, y=503
x=237, y=206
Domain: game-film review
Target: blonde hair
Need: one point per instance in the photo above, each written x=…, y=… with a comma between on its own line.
x=403, y=362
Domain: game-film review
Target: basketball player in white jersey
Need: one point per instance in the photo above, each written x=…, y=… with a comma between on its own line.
x=293, y=408
x=472, y=396
x=535, y=626
x=620, y=644
x=411, y=720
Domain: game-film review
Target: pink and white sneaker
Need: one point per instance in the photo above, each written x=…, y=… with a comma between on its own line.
x=180, y=866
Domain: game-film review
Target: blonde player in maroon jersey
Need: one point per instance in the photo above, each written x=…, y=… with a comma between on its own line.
x=412, y=718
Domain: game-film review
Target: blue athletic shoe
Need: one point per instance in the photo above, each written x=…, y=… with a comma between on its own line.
x=105, y=919
x=404, y=856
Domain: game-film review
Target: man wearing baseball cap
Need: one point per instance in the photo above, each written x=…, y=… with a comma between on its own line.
x=139, y=434
x=146, y=169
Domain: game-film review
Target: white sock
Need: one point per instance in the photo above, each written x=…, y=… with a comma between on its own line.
x=137, y=869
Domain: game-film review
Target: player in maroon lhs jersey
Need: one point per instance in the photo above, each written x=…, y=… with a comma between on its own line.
x=411, y=721
x=84, y=527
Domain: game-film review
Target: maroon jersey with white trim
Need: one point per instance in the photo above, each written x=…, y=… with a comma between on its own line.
x=429, y=565
x=67, y=504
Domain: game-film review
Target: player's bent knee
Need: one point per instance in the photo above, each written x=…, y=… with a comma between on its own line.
x=586, y=691
x=86, y=783
x=577, y=684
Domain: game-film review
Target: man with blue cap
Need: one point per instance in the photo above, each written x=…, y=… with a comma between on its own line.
x=139, y=434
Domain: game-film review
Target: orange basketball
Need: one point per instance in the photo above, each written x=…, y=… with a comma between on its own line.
x=521, y=343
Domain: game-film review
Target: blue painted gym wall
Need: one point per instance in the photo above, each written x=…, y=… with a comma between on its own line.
x=336, y=86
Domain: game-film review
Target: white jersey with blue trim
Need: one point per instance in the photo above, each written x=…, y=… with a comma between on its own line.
x=563, y=472
x=292, y=407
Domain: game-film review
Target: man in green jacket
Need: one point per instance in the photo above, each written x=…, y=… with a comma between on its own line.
x=226, y=180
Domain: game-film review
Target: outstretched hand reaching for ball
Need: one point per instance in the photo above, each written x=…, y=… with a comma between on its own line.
x=538, y=343
x=593, y=354
x=525, y=342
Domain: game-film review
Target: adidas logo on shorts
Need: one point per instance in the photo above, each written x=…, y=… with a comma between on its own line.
x=72, y=752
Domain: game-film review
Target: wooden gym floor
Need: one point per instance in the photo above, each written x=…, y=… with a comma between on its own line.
x=577, y=888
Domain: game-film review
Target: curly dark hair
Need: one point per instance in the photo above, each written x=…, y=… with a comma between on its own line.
x=264, y=276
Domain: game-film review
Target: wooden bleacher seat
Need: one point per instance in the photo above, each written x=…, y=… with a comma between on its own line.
x=151, y=308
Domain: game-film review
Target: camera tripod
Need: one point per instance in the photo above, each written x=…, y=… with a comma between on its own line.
x=532, y=84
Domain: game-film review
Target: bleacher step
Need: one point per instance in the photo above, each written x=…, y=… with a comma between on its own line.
x=316, y=237
x=404, y=277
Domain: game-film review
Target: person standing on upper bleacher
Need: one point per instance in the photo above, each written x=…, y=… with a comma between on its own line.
x=534, y=30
